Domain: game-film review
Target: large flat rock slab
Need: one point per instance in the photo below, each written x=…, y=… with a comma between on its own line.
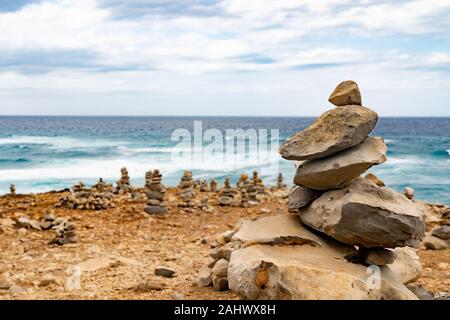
x=335, y=130
x=308, y=273
x=343, y=168
x=366, y=215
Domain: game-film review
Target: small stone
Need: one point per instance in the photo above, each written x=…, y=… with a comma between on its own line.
x=377, y=256
x=220, y=269
x=301, y=197
x=164, y=272
x=156, y=210
x=420, y=292
x=46, y=225
x=204, y=277
x=219, y=283
x=47, y=282
x=375, y=179
x=5, y=285
x=35, y=225
x=409, y=193
x=265, y=211
x=346, y=93
x=434, y=243
x=442, y=232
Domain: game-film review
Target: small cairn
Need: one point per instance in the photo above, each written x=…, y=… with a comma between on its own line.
x=186, y=191
x=280, y=183
x=258, y=183
x=155, y=195
x=409, y=193
x=123, y=185
x=204, y=186
x=243, y=182
x=204, y=205
x=101, y=186
x=213, y=185
x=148, y=179
x=65, y=234
x=244, y=198
x=226, y=195
x=82, y=198
x=12, y=190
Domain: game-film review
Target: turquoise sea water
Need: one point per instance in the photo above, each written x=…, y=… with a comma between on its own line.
x=46, y=153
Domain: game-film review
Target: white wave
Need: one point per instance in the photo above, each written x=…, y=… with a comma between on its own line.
x=448, y=151
x=60, y=142
x=389, y=141
x=410, y=160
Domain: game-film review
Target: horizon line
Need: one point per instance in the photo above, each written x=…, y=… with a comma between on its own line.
x=204, y=116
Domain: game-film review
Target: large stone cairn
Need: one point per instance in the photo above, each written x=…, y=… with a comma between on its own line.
x=226, y=195
x=340, y=223
x=331, y=197
x=81, y=198
x=123, y=185
x=186, y=191
x=155, y=195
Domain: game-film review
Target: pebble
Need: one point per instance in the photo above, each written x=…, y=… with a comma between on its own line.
x=164, y=272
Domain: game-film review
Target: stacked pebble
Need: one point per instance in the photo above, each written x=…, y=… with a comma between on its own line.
x=82, y=198
x=123, y=185
x=155, y=195
x=227, y=193
x=186, y=191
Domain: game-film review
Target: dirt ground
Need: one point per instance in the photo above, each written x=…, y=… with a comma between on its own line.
x=125, y=245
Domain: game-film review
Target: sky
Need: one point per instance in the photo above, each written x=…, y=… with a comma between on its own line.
x=222, y=57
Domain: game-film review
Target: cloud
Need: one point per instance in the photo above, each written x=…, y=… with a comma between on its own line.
x=185, y=45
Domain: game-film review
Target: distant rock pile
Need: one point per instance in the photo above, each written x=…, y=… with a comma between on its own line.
x=341, y=224
x=213, y=185
x=227, y=193
x=82, y=198
x=186, y=191
x=123, y=185
x=280, y=182
x=155, y=195
x=12, y=190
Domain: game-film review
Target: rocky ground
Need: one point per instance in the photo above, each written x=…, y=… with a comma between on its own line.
x=119, y=248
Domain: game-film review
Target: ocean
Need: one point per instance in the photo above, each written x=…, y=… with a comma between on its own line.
x=40, y=154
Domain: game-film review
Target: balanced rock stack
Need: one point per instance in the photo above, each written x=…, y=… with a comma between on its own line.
x=12, y=189
x=204, y=186
x=148, y=179
x=256, y=188
x=123, y=185
x=213, y=185
x=65, y=233
x=155, y=195
x=342, y=223
x=227, y=193
x=186, y=191
x=280, y=183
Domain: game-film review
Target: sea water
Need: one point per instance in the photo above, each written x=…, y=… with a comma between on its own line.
x=40, y=154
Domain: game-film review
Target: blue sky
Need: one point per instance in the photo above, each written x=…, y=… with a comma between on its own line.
x=222, y=57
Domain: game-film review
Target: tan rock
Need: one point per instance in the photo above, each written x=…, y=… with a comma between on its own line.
x=300, y=197
x=347, y=92
x=375, y=179
x=377, y=256
x=366, y=215
x=435, y=243
x=282, y=229
x=308, y=273
x=407, y=266
x=343, y=168
x=335, y=130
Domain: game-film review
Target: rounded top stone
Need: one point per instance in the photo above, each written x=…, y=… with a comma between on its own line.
x=346, y=93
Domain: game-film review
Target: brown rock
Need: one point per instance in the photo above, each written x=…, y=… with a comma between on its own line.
x=335, y=130
x=375, y=179
x=343, y=168
x=366, y=215
x=300, y=197
x=347, y=92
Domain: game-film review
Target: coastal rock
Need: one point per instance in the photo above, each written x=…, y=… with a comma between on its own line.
x=435, y=243
x=442, y=232
x=377, y=256
x=336, y=130
x=407, y=266
x=346, y=93
x=301, y=197
x=276, y=230
x=155, y=210
x=307, y=273
x=342, y=168
x=420, y=292
x=204, y=277
x=366, y=215
x=409, y=193
x=220, y=283
x=375, y=179
x=164, y=272
x=220, y=269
